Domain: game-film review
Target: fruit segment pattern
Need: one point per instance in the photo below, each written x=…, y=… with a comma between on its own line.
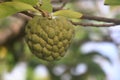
x=49, y=39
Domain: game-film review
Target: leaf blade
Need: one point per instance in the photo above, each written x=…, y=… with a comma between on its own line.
x=46, y=6
x=68, y=14
x=31, y=2
x=10, y=8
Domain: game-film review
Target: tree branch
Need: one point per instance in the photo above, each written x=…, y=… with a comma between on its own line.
x=112, y=22
x=15, y=31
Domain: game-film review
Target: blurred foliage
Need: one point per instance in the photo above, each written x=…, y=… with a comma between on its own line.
x=111, y=2
x=19, y=51
x=4, y=23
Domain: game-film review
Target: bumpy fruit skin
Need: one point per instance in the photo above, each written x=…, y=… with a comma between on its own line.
x=49, y=39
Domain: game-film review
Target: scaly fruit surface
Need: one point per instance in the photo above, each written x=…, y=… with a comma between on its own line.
x=49, y=39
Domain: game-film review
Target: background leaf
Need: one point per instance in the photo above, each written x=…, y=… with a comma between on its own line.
x=46, y=6
x=67, y=13
x=31, y=2
x=112, y=2
x=9, y=8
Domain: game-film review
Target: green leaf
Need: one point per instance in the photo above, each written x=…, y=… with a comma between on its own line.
x=112, y=2
x=10, y=8
x=68, y=14
x=31, y=2
x=46, y=6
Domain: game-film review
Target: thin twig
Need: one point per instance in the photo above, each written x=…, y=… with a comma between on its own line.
x=93, y=25
x=103, y=19
x=27, y=13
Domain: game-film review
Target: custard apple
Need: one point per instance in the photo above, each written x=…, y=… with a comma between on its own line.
x=47, y=38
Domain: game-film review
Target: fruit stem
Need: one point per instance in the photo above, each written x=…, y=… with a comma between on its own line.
x=44, y=14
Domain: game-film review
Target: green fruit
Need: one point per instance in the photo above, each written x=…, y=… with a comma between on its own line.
x=49, y=39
